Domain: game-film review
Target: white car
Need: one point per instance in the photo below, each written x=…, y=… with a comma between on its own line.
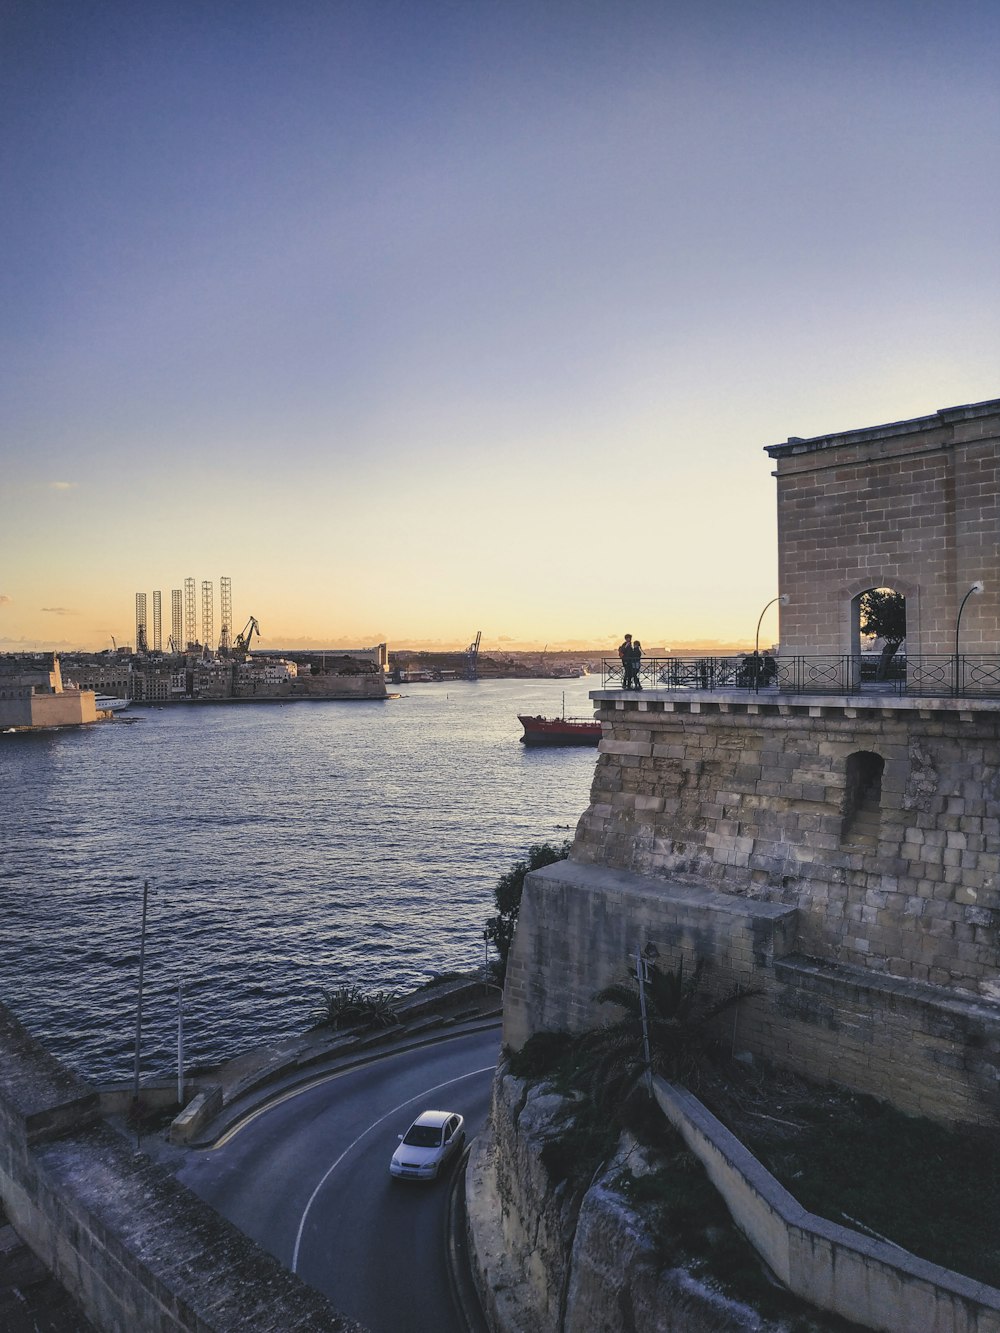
x=434, y=1139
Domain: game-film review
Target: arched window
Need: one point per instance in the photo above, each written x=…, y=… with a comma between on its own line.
x=878, y=631
x=862, y=800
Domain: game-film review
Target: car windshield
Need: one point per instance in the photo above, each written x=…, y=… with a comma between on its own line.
x=423, y=1136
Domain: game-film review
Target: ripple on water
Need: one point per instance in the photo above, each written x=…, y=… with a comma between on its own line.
x=288, y=850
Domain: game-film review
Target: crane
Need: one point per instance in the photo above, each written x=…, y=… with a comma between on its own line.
x=242, y=644
x=472, y=657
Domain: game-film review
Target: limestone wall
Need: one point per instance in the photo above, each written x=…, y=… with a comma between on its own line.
x=914, y=506
x=133, y=1247
x=750, y=798
x=869, y=1282
x=928, y=1049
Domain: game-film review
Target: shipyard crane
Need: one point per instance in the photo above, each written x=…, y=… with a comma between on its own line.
x=242, y=644
x=472, y=657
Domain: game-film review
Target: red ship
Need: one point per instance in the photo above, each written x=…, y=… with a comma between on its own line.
x=559, y=730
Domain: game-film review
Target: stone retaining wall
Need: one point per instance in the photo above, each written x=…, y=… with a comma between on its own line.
x=927, y=1049
x=866, y=1281
x=134, y=1247
x=752, y=798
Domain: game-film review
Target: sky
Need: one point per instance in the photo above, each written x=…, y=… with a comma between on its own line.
x=415, y=319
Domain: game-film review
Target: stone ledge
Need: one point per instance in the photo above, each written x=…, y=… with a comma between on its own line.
x=871, y=1282
x=576, y=874
x=831, y=978
x=786, y=703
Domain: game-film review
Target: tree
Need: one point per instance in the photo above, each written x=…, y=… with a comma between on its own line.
x=507, y=895
x=883, y=615
x=679, y=1015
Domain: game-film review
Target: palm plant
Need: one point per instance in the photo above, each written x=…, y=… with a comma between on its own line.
x=678, y=1021
x=352, y=1006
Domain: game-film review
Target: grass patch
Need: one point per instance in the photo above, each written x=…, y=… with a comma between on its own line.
x=925, y=1187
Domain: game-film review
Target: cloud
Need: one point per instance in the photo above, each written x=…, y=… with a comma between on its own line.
x=59, y=611
x=5, y=600
x=63, y=485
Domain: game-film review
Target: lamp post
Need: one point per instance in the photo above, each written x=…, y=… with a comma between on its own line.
x=976, y=587
x=783, y=599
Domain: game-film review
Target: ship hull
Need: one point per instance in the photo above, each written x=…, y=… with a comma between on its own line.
x=559, y=731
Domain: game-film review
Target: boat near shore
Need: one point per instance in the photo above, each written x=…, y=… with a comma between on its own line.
x=559, y=730
x=107, y=703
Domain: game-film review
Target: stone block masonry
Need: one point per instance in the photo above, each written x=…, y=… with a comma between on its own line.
x=754, y=800
x=914, y=506
x=130, y=1244
x=720, y=830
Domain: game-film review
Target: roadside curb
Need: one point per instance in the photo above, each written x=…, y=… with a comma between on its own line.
x=460, y=1280
x=318, y=1068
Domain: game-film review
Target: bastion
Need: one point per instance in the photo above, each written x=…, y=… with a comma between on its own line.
x=825, y=836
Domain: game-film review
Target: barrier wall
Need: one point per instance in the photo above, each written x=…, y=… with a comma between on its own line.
x=929, y=1050
x=133, y=1247
x=866, y=1281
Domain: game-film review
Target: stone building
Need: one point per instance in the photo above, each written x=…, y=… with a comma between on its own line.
x=831, y=842
x=32, y=694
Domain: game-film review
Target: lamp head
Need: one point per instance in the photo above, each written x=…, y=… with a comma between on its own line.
x=978, y=586
x=784, y=599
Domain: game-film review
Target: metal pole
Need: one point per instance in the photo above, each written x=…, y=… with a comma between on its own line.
x=783, y=599
x=976, y=587
x=180, y=1043
x=138, y=1007
x=640, y=976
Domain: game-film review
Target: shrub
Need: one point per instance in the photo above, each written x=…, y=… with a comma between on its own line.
x=352, y=1006
x=507, y=896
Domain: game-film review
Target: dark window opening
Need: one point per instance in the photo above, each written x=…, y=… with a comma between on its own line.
x=863, y=800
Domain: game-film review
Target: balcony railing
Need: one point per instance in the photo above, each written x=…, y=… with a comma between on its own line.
x=937, y=675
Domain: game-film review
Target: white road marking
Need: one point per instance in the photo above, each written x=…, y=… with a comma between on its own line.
x=374, y=1125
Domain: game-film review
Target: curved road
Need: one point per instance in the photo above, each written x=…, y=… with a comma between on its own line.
x=308, y=1178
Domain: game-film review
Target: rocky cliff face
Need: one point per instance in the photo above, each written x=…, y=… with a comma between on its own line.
x=551, y=1259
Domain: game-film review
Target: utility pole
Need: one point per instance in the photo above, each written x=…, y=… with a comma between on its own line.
x=180, y=1043
x=138, y=1007
x=640, y=976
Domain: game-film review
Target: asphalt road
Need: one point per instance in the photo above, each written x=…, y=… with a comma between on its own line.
x=308, y=1178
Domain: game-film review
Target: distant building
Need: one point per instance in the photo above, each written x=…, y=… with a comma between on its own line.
x=32, y=694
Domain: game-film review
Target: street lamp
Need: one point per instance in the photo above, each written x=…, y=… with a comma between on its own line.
x=783, y=598
x=976, y=587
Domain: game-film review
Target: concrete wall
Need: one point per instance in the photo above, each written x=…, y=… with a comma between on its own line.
x=133, y=1247
x=913, y=506
x=866, y=1281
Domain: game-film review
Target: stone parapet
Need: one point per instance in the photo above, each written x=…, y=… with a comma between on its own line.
x=128, y=1242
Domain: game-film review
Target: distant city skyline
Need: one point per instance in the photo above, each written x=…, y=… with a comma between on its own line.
x=416, y=320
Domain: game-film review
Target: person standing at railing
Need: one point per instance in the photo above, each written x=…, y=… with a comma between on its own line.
x=625, y=654
x=636, y=663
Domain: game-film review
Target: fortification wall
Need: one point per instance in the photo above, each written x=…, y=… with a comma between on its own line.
x=751, y=798
x=134, y=1247
x=716, y=832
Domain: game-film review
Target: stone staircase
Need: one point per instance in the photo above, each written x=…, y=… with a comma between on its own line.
x=862, y=829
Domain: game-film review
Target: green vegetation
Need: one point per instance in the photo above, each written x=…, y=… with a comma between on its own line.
x=507, y=896
x=883, y=615
x=860, y=1162
x=352, y=1006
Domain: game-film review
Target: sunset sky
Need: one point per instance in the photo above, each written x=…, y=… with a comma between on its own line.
x=419, y=318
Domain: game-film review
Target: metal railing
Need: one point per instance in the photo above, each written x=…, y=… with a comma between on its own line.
x=935, y=675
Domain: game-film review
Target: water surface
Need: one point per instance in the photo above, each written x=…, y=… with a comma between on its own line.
x=290, y=847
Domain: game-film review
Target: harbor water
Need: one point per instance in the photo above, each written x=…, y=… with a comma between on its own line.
x=289, y=848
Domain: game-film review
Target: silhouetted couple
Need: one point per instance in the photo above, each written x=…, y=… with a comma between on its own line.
x=631, y=655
